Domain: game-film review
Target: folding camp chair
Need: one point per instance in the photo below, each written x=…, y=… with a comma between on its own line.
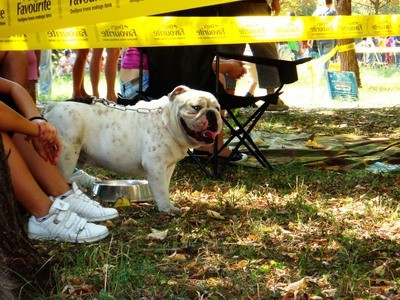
x=192, y=66
x=287, y=71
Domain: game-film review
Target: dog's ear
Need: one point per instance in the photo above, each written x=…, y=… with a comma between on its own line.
x=177, y=91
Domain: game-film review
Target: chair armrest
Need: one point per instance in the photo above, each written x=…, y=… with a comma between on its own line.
x=228, y=101
x=286, y=68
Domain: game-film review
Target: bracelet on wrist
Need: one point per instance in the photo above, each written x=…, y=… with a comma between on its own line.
x=37, y=118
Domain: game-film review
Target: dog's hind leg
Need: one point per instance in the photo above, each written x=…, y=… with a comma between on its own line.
x=68, y=160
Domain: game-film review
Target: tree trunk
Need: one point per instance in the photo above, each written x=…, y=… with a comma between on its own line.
x=16, y=252
x=348, y=59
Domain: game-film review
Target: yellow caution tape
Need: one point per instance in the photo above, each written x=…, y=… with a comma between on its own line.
x=27, y=16
x=168, y=31
x=348, y=47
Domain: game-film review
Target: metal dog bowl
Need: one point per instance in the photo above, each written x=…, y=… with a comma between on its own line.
x=111, y=190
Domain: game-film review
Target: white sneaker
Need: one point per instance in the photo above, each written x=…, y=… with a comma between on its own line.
x=87, y=208
x=64, y=225
x=83, y=179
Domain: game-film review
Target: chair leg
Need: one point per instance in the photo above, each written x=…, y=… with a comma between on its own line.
x=243, y=134
x=201, y=164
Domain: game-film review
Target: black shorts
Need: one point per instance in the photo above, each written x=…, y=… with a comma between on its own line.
x=8, y=100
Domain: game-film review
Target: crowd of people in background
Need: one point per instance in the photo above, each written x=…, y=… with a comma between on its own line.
x=379, y=50
x=44, y=65
x=122, y=76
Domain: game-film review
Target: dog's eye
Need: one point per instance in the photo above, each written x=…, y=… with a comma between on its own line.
x=196, y=107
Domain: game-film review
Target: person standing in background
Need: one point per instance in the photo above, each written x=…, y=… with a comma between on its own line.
x=296, y=47
x=45, y=74
x=325, y=46
x=32, y=58
x=78, y=73
x=396, y=43
x=110, y=70
x=129, y=74
x=14, y=67
x=268, y=77
x=389, y=55
x=65, y=64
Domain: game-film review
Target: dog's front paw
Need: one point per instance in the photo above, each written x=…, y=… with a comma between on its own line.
x=170, y=209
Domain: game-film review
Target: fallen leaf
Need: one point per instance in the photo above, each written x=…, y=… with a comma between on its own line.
x=314, y=144
x=129, y=222
x=121, y=202
x=177, y=257
x=241, y=264
x=329, y=292
x=109, y=223
x=76, y=281
x=172, y=282
x=157, y=234
x=295, y=286
x=214, y=215
x=380, y=270
x=192, y=264
x=360, y=187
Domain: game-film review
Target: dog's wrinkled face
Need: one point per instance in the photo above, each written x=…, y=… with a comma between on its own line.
x=199, y=114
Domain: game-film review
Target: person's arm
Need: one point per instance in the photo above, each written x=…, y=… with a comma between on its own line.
x=46, y=146
x=11, y=121
x=51, y=146
x=37, y=53
x=22, y=100
x=231, y=67
x=27, y=108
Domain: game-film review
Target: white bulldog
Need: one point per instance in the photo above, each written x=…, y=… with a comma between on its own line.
x=148, y=138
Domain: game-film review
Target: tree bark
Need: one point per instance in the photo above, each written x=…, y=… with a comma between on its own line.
x=16, y=251
x=348, y=59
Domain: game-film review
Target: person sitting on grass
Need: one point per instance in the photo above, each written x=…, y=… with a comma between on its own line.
x=59, y=211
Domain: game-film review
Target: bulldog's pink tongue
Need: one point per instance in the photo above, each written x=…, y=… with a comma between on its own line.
x=209, y=133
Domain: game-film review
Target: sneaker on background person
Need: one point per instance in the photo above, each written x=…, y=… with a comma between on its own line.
x=85, y=207
x=279, y=106
x=61, y=224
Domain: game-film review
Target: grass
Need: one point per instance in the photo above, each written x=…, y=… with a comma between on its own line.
x=291, y=233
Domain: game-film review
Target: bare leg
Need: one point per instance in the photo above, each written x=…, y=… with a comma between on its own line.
x=33, y=72
x=46, y=175
x=27, y=191
x=78, y=74
x=31, y=88
x=111, y=72
x=14, y=66
x=95, y=63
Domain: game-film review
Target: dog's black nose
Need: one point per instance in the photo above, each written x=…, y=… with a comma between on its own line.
x=212, y=119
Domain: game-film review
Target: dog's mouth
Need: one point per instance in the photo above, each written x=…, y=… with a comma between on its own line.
x=206, y=136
